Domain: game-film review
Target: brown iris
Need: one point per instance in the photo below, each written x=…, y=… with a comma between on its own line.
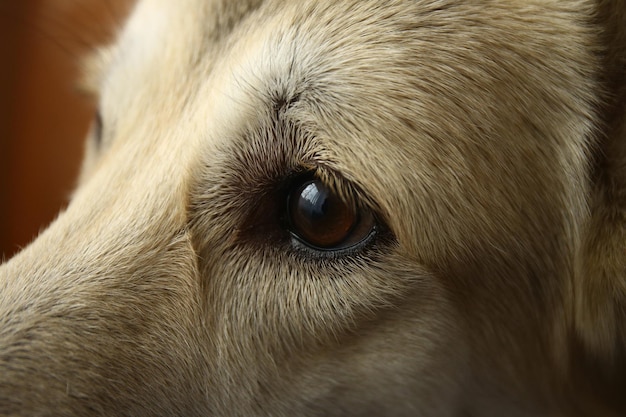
x=319, y=218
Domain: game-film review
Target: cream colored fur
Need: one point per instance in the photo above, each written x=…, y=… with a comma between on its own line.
x=489, y=139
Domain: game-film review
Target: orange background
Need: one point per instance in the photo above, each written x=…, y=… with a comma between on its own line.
x=43, y=119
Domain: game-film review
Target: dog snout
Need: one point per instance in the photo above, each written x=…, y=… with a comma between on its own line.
x=97, y=313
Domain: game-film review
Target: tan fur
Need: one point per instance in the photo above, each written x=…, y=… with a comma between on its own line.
x=489, y=137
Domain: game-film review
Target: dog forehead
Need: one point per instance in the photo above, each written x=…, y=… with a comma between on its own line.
x=156, y=24
x=380, y=81
x=213, y=18
x=163, y=52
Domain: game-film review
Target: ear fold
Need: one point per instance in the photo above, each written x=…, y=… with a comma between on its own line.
x=600, y=290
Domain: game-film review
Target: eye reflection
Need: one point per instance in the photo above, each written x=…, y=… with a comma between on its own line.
x=322, y=220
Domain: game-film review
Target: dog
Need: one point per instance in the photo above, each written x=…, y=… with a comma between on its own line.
x=337, y=208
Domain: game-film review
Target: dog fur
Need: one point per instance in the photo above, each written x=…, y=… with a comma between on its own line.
x=487, y=137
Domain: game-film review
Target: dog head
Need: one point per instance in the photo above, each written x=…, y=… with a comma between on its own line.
x=336, y=208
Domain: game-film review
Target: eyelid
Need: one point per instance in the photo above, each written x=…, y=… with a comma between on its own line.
x=346, y=190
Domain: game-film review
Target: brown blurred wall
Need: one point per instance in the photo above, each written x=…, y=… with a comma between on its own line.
x=43, y=119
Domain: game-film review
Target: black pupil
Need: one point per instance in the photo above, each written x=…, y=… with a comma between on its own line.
x=319, y=217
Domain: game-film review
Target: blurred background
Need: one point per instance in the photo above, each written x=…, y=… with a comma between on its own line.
x=43, y=118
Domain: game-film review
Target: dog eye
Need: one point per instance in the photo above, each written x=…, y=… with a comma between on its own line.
x=97, y=128
x=322, y=220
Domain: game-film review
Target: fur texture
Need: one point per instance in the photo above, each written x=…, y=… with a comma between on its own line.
x=487, y=137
